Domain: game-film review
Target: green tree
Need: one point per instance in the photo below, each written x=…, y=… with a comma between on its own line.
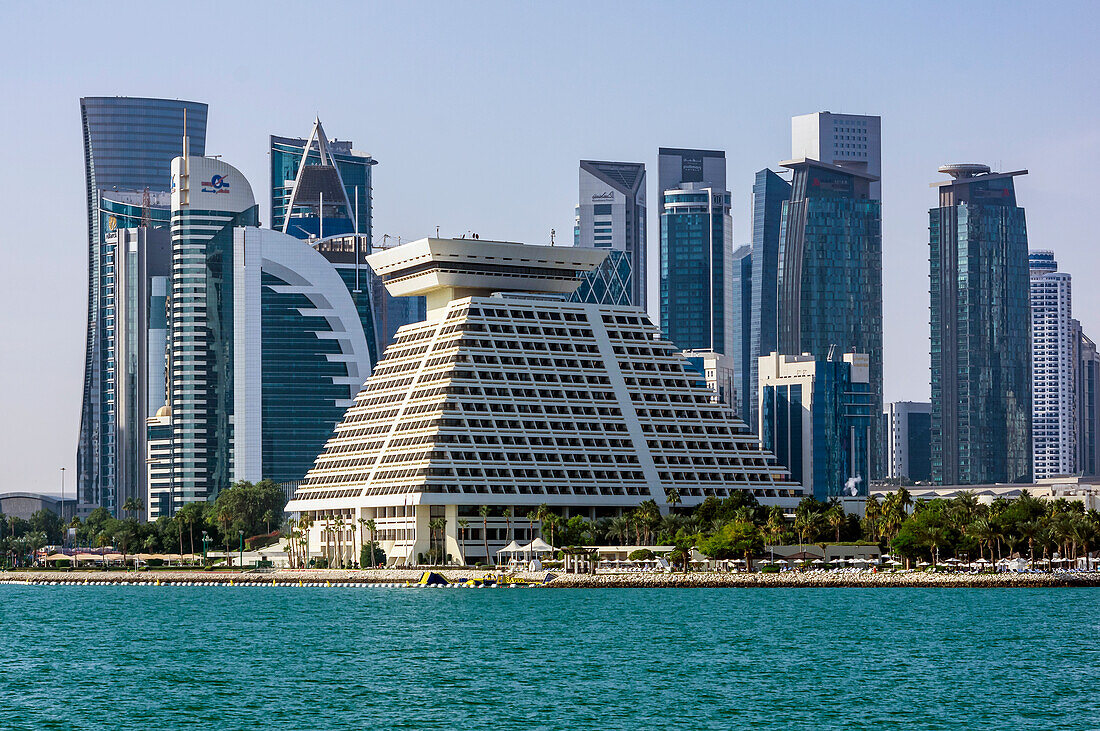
x=672, y=497
x=483, y=511
x=462, y=524
x=734, y=540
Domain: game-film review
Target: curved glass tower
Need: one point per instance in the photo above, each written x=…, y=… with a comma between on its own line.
x=129, y=144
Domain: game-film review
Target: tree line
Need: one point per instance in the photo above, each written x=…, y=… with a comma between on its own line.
x=244, y=508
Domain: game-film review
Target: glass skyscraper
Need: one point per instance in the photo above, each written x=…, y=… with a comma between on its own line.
x=129, y=144
x=611, y=215
x=740, y=341
x=329, y=195
x=830, y=272
x=769, y=193
x=696, y=270
x=981, y=348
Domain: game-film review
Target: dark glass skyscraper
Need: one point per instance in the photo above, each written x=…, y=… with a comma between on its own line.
x=129, y=144
x=696, y=276
x=981, y=347
x=830, y=272
x=769, y=193
x=740, y=342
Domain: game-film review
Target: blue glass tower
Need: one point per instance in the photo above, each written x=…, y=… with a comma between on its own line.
x=815, y=416
x=769, y=193
x=830, y=272
x=129, y=144
x=740, y=342
x=696, y=269
x=981, y=341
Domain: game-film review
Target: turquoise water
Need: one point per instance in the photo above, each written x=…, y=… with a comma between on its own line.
x=169, y=657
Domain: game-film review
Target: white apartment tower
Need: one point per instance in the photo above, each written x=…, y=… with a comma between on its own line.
x=509, y=396
x=1054, y=355
x=849, y=140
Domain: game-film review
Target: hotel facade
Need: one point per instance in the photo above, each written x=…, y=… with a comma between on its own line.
x=509, y=396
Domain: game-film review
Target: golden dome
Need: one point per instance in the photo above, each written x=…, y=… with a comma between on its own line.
x=163, y=411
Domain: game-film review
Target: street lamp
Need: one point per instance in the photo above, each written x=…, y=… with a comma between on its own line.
x=241, y=532
x=205, y=541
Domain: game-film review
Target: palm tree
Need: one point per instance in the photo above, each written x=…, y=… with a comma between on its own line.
x=462, y=523
x=983, y=531
x=442, y=539
x=508, y=524
x=542, y=515
x=372, y=530
x=620, y=528
x=836, y=518
x=672, y=497
x=338, y=544
x=483, y=511
x=1029, y=530
x=130, y=506
x=872, y=512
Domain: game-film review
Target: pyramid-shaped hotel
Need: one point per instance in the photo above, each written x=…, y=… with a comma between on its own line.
x=509, y=396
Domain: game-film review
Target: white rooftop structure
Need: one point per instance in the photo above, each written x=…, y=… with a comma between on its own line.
x=509, y=396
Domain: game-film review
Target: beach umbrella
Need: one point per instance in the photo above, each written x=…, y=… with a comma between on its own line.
x=894, y=563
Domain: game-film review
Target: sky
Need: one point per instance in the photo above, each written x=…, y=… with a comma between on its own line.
x=478, y=113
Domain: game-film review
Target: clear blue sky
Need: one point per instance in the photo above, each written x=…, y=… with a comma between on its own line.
x=478, y=113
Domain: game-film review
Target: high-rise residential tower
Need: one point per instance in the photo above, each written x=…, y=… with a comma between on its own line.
x=611, y=215
x=829, y=283
x=849, y=140
x=769, y=193
x=209, y=199
x=980, y=323
x=129, y=144
x=1055, y=340
x=696, y=269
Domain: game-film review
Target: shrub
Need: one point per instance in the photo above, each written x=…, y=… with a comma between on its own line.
x=770, y=569
x=642, y=554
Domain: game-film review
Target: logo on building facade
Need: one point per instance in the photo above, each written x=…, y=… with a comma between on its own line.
x=216, y=184
x=605, y=196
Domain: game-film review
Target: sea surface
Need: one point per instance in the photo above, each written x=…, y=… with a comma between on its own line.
x=86, y=657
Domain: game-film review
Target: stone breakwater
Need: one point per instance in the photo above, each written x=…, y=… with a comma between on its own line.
x=813, y=579
x=283, y=577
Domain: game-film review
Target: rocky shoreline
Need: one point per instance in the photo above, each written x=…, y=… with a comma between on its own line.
x=400, y=577
x=821, y=579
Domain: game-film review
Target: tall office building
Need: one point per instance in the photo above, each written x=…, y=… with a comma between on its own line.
x=696, y=270
x=612, y=216
x=129, y=144
x=816, y=418
x=851, y=141
x=1055, y=340
x=1088, y=406
x=326, y=193
x=769, y=193
x=830, y=273
x=509, y=396
x=740, y=337
x=908, y=432
x=981, y=347
x=209, y=199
